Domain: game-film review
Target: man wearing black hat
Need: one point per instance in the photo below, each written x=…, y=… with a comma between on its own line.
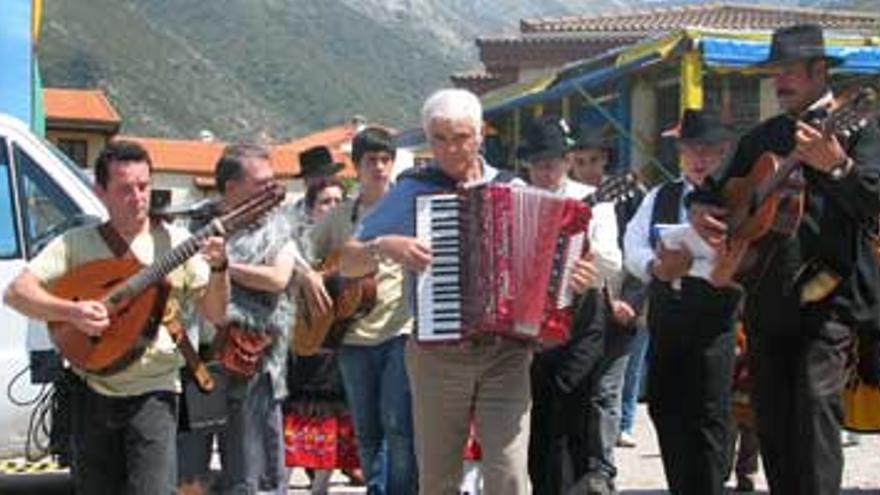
x=590, y=155
x=315, y=164
x=690, y=321
x=566, y=441
x=799, y=337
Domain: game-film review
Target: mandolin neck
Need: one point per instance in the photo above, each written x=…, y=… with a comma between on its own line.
x=160, y=268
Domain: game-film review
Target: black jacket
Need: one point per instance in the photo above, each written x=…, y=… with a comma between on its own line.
x=570, y=363
x=837, y=215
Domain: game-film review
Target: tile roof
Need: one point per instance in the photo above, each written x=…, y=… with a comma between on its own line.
x=80, y=105
x=474, y=75
x=197, y=157
x=181, y=155
x=565, y=38
x=720, y=15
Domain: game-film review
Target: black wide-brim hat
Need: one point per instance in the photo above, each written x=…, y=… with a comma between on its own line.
x=698, y=127
x=317, y=161
x=590, y=137
x=544, y=138
x=797, y=43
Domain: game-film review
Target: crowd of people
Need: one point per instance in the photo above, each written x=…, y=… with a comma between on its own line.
x=657, y=290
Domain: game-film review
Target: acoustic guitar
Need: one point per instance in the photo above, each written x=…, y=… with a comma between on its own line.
x=770, y=198
x=135, y=295
x=352, y=298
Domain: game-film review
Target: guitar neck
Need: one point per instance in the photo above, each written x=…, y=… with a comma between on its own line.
x=152, y=274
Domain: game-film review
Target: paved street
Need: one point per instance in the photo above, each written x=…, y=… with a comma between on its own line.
x=641, y=472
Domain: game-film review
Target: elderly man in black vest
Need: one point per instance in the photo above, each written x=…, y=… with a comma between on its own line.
x=691, y=320
x=818, y=284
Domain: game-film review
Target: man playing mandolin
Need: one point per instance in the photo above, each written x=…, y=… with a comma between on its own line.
x=124, y=422
x=816, y=285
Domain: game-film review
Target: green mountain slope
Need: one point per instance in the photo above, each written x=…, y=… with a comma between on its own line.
x=274, y=69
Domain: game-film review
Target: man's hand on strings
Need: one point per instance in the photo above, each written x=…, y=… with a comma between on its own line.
x=815, y=149
x=213, y=249
x=311, y=285
x=708, y=221
x=89, y=317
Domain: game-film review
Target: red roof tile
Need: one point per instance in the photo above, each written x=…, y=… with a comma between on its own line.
x=84, y=105
x=198, y=158
x=719, y=15
x=181, y=155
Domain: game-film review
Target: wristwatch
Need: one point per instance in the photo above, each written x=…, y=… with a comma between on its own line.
x=841, y=170
x=222, y=267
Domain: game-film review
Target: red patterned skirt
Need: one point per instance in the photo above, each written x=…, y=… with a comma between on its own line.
x=319, y=441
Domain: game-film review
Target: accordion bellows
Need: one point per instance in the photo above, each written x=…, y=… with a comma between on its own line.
x=502, y=258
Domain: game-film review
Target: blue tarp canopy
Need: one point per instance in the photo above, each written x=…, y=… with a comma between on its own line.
x=585, y=81
x=732, y=50
x=736, y=53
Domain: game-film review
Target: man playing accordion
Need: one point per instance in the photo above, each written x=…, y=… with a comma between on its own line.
x=487, y=373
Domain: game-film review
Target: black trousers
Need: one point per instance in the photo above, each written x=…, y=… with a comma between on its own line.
x=557, y=448
x=798, y=375
x=124, y=445
x=690, y=372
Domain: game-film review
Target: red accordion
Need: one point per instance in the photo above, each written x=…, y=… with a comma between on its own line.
x=502, y=259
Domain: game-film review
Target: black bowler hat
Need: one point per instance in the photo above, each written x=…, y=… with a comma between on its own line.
x=697, y=126
x=544, y=138
x=590, y=137
x=317, y=162
x=797, y=43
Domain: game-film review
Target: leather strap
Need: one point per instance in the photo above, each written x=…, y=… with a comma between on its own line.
x=114, y=240
x=195, y=364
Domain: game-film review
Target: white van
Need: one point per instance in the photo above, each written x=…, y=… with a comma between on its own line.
x=42, y=194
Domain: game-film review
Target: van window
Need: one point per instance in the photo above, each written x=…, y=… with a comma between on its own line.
x=9, y=247
x=46, y=209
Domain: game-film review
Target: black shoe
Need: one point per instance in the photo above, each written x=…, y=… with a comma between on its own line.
x=744, y=485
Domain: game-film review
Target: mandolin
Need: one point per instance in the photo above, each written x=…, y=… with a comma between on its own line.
x=135, y=295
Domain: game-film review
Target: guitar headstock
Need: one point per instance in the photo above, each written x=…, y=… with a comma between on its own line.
x=855, y=111
x=616, y=188
x=251, y=209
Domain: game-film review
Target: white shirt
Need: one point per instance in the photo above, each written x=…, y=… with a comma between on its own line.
x=637, y=240
x=602, y=234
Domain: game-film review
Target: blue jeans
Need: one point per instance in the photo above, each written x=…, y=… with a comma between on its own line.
x=632, y=381
x=252, y=446
x=377, y=391
x=603, y=424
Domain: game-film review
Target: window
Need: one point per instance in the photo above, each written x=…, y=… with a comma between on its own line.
x=76, y=149
x=9, y=247
x=46, y=209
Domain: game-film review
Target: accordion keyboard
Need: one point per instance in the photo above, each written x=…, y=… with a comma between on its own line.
x=439, y=309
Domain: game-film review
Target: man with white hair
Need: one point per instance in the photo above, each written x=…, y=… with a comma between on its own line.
x=489, y=375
